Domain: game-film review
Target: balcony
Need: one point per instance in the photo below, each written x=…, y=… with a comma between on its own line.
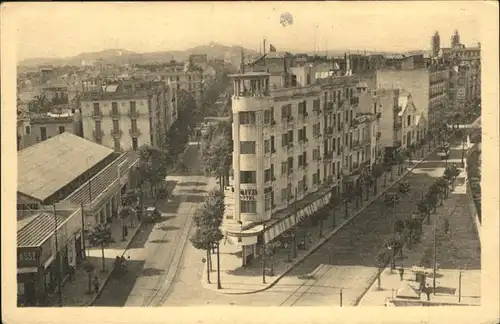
x=354, y=101
x=116, y=132
x=97, y=114
x=134, y=132
x=318, y=158
x=327, y=157
x=97, y=134
x=355, y=144
x=397, y=143
x=303, y=117
x=329, y=107
x=317, y=111
x=329, y=131
x=340, y=127
x=397, y=126
x=379, y=115
x=273, y=123
x=317, y=135
x=133, y=114
x=115, y=114
x=354, y=123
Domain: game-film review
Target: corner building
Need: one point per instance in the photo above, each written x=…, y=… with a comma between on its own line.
x=292, y=149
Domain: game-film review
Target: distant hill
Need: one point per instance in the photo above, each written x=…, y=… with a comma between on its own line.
x=123, y=56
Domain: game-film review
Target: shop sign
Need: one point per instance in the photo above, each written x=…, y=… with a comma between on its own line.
x=28, y=256
x=248, y=194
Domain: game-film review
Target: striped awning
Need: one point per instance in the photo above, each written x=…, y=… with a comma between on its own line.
x=294, y=218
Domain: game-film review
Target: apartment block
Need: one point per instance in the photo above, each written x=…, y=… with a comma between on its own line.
x=128, y=115
x=294, y=146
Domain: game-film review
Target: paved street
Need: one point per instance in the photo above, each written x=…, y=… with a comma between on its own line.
x=157, y=249
x=346, y=261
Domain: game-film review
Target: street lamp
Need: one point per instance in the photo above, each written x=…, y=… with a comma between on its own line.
x=58, y=260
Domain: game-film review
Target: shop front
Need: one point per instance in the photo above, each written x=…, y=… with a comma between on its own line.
x=28, y=260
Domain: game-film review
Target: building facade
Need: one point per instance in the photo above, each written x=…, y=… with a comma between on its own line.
x=294, y=146
x=124, y=116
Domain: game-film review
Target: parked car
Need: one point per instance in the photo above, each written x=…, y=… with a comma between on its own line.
x=152, y=214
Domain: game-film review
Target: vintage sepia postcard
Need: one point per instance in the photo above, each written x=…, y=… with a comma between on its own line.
x=232, y=161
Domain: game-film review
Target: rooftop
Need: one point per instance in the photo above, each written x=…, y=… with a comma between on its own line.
x=46, y=167
x=37, y=228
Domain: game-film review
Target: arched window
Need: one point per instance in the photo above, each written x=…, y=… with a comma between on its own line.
x=28, y=130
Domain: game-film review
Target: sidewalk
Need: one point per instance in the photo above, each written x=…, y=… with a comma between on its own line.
x=449, y=263
x=75, y=292
x=236, y=279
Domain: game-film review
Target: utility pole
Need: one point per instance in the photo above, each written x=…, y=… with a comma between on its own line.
x=435, y=259
x=57, y=259
x=460, y=286
x=341, y=297
x=83, y=231
x=218, y=267
x=263, y=254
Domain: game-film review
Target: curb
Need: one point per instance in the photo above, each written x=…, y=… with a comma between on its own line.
x=322, y=241
x=109, y=275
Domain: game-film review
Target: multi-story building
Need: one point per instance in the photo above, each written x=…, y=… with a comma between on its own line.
x=428, y=87
x=129, y=114
x=293, y=147
x=34, y=128
x=401, y=123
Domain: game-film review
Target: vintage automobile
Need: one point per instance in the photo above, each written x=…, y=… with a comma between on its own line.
x=152, y=214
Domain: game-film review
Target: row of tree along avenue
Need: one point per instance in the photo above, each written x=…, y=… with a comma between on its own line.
x=408, y=232
x=216, y=152
x=208, y=235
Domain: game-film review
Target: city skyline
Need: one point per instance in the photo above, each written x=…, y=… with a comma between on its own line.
x=408, y=23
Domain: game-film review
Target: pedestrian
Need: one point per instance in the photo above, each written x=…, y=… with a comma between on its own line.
x=428, y=292
x=401, y=272
x=96, y=284
x=446, y=225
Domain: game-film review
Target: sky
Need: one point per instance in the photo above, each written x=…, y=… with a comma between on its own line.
x=67, y=29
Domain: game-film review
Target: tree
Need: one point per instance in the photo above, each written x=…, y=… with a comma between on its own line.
x=270, y=250
x=383, y=257
x=208, y=222
x=399, y=159
x=423, y=207
x=333, y=203
x=368, y=182
x=408, y=154
x=377, y=171
x=216, y=156
x=347, y=197
x=124, y=211
x=89, y=267
x=394, y=245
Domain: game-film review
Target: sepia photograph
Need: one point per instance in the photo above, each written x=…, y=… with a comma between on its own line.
x=250, y=154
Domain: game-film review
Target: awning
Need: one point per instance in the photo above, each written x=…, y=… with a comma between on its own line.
x=294, y=218
x=27, y=270
x=47, y=263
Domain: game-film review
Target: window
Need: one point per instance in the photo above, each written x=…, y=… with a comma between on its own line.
x=61, y=129
x=290, y=164
x=96, y=108
x=114, y=108
x=284, y=194
x=134, y=143
x=338, y=145
x=98, y=125
x=333, y=168
x=43, y=133
x=290, y=137
x=272, y=144
x=248, y=206
x=267, y=148
x=248, y=177
x=116, y=126
x=267, y=117
x=247, y=147
x=267, y=175
x=247, y=118
x=339, y=120
x=284, y=140
x=409, y=120
x=284, y=167
x=133, y=124
x=132, y=108
x=117, y=144
x=28, y=130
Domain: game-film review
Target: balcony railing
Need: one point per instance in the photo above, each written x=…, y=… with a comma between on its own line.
x=97, y=134
x=354, y=101
x=115, y=132
x=329, y=107
x=134, y=132
x=115, y=114
x=303, y=117
x=328, y=156
x=133, y=114
x=397, y=143
x=329, y=131
x=97, y=114
x=318, y=158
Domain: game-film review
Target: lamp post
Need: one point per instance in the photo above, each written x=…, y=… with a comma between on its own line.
x=263, y=254
x=83, y=231
x=434, y=259
x=58, y=260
